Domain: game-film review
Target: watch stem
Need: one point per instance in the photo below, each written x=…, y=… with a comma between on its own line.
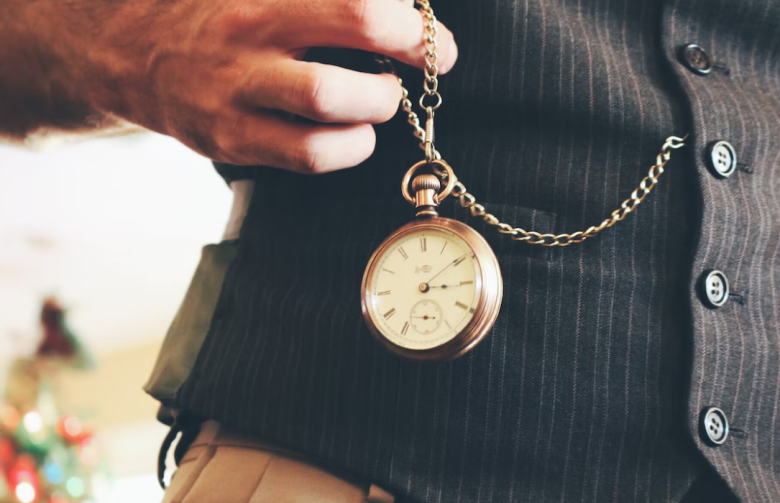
x=426, y=188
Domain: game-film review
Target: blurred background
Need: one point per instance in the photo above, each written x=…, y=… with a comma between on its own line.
x=111, y=230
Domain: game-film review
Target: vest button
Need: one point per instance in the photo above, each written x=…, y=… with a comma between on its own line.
x=722, y=159
x=714, y=426
x=696, y=59
x=715, y=287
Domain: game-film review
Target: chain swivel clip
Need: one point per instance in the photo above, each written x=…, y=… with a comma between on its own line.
x=430, y=151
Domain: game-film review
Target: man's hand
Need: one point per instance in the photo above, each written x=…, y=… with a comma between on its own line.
x=222, y=76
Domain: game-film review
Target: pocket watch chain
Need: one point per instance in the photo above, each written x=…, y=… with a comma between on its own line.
x=466, y=199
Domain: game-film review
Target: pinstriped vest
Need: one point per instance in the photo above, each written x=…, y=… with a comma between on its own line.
x=590, y=386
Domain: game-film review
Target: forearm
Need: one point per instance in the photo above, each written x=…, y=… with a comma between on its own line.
x=38, y=89
x=224, y=77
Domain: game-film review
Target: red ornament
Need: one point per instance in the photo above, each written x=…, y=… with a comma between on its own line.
x=72, y=429
x=7, y=450
x=24, y=479
x=7, y=455
x=24, y=470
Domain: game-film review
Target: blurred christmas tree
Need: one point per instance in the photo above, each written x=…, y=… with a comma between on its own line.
x=45, y=457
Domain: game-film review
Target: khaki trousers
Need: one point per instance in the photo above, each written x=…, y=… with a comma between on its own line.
x=224, y=467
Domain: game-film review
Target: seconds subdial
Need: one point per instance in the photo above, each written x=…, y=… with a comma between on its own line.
x=426, y=316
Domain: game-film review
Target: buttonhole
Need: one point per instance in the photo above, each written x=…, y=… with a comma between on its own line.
x=725, y=70
x=745, y=168
x=737, y=433
x=739, y=297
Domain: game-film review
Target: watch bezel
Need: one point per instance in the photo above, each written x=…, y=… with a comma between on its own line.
x=489, y=288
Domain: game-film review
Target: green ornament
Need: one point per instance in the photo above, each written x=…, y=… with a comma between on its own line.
x=37, y=442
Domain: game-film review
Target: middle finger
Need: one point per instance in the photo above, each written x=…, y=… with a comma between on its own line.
x=321, y=92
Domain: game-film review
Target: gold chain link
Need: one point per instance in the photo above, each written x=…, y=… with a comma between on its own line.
x=535, y=238
x=466, y=199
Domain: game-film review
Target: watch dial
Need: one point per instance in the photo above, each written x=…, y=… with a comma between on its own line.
x=424, y=288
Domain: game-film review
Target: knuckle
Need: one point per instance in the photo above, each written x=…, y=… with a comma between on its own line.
x=311, y=92
x=226, y=141
x=237, y=21
x=220, y=149
x=360, y=14
x=205, y=142
x=308, y=157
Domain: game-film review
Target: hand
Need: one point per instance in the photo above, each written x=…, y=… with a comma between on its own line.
x=225, y=76
x=444, y=287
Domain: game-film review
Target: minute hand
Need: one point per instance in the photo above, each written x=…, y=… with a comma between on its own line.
x=454, y=262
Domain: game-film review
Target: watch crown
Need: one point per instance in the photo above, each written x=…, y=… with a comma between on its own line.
x=426, y=188
x=426, y=182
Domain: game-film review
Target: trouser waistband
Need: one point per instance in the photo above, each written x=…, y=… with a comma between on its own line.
x=264, y=469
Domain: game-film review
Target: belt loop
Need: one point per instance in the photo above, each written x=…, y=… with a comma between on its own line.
x=186, y=424
x=166, y=445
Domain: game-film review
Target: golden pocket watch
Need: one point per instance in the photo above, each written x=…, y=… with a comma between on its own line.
x=433, y=288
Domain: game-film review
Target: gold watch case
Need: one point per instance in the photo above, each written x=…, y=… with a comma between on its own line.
x=488, y=291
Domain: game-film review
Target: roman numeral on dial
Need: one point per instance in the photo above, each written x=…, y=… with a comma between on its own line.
x=405, y=329
x=403, y=252
x=464, y=306
x=423, y=244
x=386, y=292
x=389, y=314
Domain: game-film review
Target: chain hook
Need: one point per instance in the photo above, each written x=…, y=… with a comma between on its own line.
x=675, y=141
x=430, y=151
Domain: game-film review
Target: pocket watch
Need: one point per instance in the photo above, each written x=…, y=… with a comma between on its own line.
x=432, y=290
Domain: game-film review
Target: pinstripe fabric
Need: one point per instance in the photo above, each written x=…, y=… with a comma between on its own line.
x=736, y=361
x=554, y=112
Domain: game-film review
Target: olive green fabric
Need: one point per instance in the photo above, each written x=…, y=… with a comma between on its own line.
x=191, y=324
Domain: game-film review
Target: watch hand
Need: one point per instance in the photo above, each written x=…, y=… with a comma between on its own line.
x=454, y=262
x=425, y=317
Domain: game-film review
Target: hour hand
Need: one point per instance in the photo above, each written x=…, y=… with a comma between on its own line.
x=453, y=285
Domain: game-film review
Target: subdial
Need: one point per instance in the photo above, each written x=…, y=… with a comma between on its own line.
x=426, y=316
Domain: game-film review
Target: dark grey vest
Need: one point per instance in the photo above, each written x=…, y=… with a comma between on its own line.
x=591, y=385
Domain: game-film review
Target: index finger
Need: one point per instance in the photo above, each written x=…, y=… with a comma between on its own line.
x=390, y=27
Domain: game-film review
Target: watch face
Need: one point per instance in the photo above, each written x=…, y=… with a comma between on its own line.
x=424, y=288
